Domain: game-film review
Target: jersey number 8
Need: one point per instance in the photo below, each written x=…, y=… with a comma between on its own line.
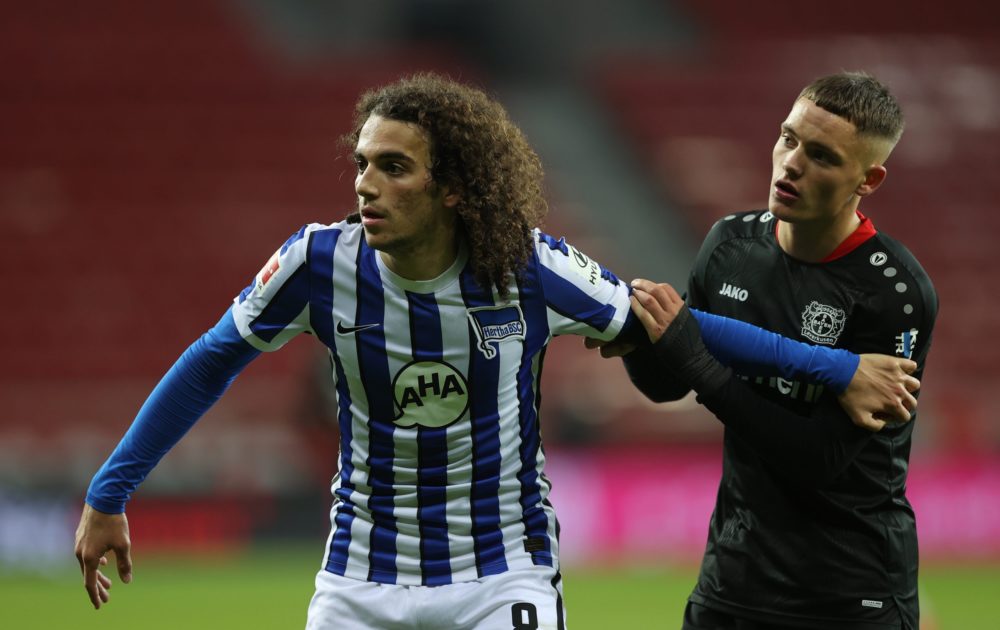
x=524, y=616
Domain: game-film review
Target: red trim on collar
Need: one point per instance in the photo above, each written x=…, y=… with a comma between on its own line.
x=863, y=232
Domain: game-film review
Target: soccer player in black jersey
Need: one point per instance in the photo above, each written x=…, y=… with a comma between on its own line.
x=811, y=528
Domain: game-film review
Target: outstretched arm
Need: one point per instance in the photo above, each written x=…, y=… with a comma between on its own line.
x=877, y=389
x=815, y=449
x=187, y=391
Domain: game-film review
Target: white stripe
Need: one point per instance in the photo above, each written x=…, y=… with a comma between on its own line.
x=455, y=339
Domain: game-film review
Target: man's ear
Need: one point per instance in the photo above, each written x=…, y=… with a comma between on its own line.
x=450, y=198
x=874, y=177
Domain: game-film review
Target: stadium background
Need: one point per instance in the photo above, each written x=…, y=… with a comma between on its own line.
x=156, y=153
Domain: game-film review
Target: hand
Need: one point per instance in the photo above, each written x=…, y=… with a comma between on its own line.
x=881, y=389
x=609, y=349
x=656, y=306
x=97, y=534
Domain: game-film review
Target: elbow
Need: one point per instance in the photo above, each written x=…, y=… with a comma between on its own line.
x=664, y=396
x=655, y=383
x=661, y=392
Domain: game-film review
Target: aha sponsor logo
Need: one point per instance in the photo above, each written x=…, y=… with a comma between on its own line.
x=430, y=394
x=822, y=323
x=734, y=292
x=494, y=324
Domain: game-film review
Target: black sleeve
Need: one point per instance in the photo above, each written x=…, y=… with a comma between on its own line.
x=632, y=331
x=812, y=450
x=649, y=377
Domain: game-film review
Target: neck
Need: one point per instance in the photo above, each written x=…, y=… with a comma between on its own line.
x=813, y=241
x=426, y=264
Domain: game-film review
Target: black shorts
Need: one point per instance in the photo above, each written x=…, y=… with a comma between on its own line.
x=698, y=617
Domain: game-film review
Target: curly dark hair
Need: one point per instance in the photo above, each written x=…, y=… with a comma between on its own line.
x=477, y=150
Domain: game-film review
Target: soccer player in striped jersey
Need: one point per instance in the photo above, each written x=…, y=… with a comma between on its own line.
x=436, y=300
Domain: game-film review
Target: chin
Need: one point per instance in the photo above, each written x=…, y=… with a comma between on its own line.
x=780, y=211
x=374, y=239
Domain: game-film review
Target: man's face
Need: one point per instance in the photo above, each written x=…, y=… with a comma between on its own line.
x=818, y=165
x=403, y=211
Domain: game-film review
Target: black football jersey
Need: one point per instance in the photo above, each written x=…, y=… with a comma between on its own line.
x=824, y=540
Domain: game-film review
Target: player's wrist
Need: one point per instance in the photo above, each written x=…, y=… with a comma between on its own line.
x=681, y=350
x=105, y=506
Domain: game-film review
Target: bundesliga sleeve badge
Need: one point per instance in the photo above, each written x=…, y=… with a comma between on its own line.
x=267, y=271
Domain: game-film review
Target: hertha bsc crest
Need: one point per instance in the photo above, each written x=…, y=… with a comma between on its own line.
x=822, y=323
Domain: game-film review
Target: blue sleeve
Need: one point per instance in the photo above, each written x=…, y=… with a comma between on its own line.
x=748, y=348
x=189, y=388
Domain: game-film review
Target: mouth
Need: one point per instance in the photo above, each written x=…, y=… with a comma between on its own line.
x=370, y=215
x=785, y=191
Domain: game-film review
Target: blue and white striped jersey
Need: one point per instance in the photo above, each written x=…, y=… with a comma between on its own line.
x=437, y=387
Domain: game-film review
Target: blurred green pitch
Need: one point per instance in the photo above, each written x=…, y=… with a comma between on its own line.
x=270, y=588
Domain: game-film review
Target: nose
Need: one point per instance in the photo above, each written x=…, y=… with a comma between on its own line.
x=364, y=184
x=792, y=162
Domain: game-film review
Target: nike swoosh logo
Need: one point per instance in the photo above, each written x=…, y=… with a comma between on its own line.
x=350, y=330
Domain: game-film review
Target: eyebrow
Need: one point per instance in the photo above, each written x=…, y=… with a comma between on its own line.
x=387, y=155
x=814, y=143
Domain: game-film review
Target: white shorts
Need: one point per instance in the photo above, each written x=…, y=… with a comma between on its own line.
x=525, y=599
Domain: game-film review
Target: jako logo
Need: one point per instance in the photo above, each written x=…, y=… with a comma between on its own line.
x=429, y=393
x=736, y=293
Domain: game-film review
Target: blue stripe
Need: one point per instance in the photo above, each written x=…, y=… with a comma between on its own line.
x=569, y=301
x=319, y=260
x=560, y=244
x=425, y=327
x=484, y=376
x=341, y=542
x=288, y=301
x=373, y=366
x=294, y=238
x=432, y=455
x=284, y=248
x=535, y=519
x=554, y=243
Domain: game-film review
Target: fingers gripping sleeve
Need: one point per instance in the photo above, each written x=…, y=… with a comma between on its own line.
x=186, y=392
